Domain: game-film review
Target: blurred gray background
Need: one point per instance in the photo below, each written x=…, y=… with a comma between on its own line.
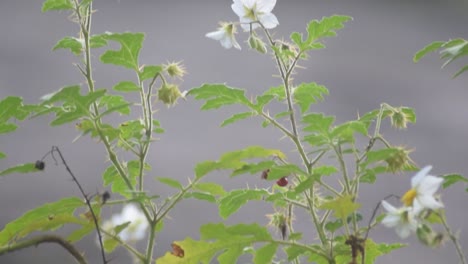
x=370, y=62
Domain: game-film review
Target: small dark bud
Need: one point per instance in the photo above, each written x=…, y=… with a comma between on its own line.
x=105, y=196
x=265, y=174
x=40, y=165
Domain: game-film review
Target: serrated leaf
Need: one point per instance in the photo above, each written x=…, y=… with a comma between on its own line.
x=236, y=160
x=170, y=182
x=326, y=27
x=97, y=41
x=75, y=45
x=50, y=5
x=210, y=187
x=49, y=216
x=308, y=93
x=237, y=117
x=451, y=179
x=304, y=185
x=229, y=241
x=75, y=105
x=126, y=86
x=114, y=103
x=317, y=122
x=233, y=200
x=427, y=49
x=341, y=206
x=265, y=254
x=112, y=177
x=253, y=168
x=22, y=168
x=217, y=95
x=12, y=107
x=280, y=171
x=372, y=251
x=149, y=72
x=127, y=55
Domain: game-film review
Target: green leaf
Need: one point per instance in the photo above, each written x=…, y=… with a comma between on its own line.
x=12, y=107
x=235, y=160
x=308, y=93
x=280, y=171
x=22, y=168
x=75, y=45
x=253, y=168
x=217, y=95
x=462, y=70
x=332, y=226
x=126, y=86
x=229, y=241
x=49, y=5
x=127, y=56
x=112, y=177
x=201, y=196
x=170, y=182
x=210, y=187
x=341, y=206
x=265, y=254
x=114, y=103
x=2, y=155
x=78, y=234
x=427, y=49
x=49, y=216
x=451, y=179
x=317, y=122
x=75, y=105
x=304, y=185
x=149, y=72
x=7, y=128
x=237, y=117
x=233, y=200
x=372, y=251
x=326, y=27
x=97, y=41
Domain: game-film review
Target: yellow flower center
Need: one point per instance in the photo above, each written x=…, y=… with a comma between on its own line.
x=250, y=12
x=408, y=197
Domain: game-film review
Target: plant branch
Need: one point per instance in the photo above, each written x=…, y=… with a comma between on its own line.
x=35, y=241
x=453, y=238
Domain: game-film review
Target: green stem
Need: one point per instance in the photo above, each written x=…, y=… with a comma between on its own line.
x=36, y=241
x=453, y=238
x=125, y=245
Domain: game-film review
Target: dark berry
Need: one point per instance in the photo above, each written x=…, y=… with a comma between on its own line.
x=40, y=165
x=282, y=182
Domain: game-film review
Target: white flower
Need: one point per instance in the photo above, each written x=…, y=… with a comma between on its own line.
x=423, y=188
x=255, y=10
x=225, y=35
x=136, y=230
x=402, y=219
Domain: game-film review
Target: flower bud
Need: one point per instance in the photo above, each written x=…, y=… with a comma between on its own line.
x=175, y=69
x=257, y=44
x=169, y=93
x=429, y=237
x=399, y=118
x=399, y=160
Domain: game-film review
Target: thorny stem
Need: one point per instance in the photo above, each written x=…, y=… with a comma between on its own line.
x=453, y=238
x=125, y=245
x=36, y=241
x=88, y=202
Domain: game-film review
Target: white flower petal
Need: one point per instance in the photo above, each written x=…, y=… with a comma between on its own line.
x=390, y=208
x=429, y=185
x=268, y=20
x=420, y=175
x=428, y=201
x=245, y=24
x=265, y=6
x=250, y=4
x=403, y=231
x=226, y=42
x=216, y=35
x=238, y=8
x=391, y=220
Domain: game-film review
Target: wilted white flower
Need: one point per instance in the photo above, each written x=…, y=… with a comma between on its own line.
x=225, y=35
x=255, y=10
x=423, y=188
x=402, y=219
x=136, y=230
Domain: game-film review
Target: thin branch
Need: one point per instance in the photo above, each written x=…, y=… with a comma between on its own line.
x=35, y=241
x=88, y=202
